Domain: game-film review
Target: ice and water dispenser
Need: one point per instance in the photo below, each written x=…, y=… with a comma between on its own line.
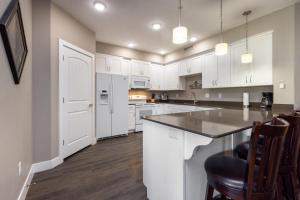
x=104, y=98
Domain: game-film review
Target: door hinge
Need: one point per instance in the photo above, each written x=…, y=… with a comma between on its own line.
x=63, y=58
x=63, y=142
x=63, y=100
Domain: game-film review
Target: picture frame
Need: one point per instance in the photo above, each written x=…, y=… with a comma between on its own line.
x=14, y=39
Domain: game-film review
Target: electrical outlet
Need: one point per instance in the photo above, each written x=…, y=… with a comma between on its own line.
x=20, y=168
x=207, y=95
x=282, y=85
x=220, y=95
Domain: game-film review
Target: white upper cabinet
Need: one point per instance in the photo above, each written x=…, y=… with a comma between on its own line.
x=126, y=67
x=224, y=71
x=101, y=66
x=196, y=64
x=114, y=64
x=184, y=68
x=140, y=68
x=258, y=73
x=240, y=73
x=156, y=77
x=172, y=79
x=108, y=64
x=261, y=68
x=191, y=66
x=210, y=71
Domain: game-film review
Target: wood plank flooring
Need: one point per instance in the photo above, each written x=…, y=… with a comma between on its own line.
x=109, y=170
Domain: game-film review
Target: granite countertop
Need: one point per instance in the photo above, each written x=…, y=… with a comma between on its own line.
x=221, y=122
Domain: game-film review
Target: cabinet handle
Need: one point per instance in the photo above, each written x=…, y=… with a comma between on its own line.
x=246, y=80
x=216, y=82
x=251, y=79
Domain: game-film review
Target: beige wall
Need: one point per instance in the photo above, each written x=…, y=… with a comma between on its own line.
x=67, y=28
x=282, y=22
x=51, y=23
x=41, y=81
x=15, y=115
x=297, y=56
x=128, y=53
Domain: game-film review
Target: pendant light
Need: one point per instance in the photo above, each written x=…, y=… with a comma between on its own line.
x=247, y=57
x=180, y=32
x=221, y=48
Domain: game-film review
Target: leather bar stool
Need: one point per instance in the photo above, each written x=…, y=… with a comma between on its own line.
x=240, y=179
x=289, y=167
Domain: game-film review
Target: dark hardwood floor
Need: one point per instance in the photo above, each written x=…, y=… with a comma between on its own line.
x=110, y=170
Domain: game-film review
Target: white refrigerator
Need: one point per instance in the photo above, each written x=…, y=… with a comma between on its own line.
x=111, y=105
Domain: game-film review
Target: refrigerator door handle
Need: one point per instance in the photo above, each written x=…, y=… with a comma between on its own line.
x=112, y=96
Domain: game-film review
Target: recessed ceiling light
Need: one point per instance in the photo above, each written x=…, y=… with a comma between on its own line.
x=131, y=45
x=99, y=6
x=193, y=39
x=162, y=52
x=156, y=26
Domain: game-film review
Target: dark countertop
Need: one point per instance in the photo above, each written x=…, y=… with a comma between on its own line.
x=221, y=122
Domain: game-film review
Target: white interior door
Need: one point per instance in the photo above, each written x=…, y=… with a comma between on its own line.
x=76, y=91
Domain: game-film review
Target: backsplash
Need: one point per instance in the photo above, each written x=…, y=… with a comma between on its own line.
x=222, y=94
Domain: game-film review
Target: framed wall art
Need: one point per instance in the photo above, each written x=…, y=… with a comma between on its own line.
x=14, y=40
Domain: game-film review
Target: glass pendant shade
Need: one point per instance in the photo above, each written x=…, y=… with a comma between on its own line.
x=247, y=58
x=221, y=49
x=180, y=35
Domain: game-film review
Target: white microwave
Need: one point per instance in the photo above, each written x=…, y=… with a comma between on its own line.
x=140, y=82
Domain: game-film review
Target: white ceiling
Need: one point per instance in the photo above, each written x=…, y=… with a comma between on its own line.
x=126, y=21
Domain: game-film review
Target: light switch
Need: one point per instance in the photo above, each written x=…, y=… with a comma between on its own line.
x=207, y=95
x=220, y=96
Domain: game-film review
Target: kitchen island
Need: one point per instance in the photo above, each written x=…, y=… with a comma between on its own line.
x=175, y=147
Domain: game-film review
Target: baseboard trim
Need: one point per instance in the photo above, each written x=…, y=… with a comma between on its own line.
x=46, y=165
x=25, y=187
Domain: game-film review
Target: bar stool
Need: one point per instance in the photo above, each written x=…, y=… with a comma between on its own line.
x=289, y=167
x=240, y=179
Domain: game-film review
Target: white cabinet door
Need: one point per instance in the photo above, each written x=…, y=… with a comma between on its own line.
x=140, y=68
x=156, y=74
x=210, y=72
x=114, y=65
x=239, y=72
x=224, y=71
x=261, y=68
x=126, y=69
x=173, y=81
x=184, y=68
x=196, y=64
x=101, y=64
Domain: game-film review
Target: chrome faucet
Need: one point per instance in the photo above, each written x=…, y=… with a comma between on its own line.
x=194, y=96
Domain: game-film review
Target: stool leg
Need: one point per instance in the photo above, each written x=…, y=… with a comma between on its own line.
x=209, y=192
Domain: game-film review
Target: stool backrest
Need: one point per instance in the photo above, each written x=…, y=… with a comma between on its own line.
x=292, y=141
x=272, y=147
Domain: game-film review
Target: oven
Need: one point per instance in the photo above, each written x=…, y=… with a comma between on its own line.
x=141, y=111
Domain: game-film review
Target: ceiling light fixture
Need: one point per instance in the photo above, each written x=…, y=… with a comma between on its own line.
x=156, y=26
x=222, y=47
x=247, y=57
x=99, y=6
x=193, y=39
x=180, y=32
x=131, y=45
x=162, y=52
